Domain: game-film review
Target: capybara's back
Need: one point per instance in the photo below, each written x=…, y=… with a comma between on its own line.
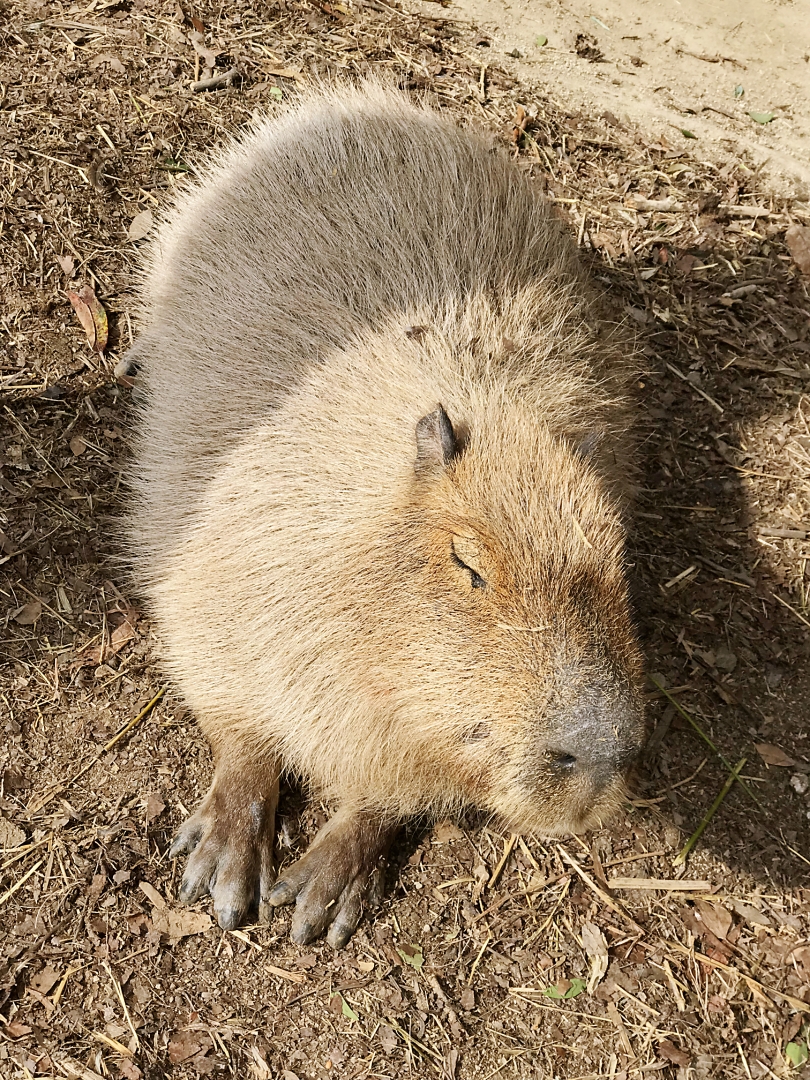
x=378, y=502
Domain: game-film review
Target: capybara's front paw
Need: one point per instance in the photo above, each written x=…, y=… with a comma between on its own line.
x=342, y=874
x=230, y=841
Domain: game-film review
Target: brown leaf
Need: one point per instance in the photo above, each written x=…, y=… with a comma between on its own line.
x=467, y=998
x=90, y=655
x=446, y=831
x=388, y=1039
x=801, y=956
x=670, y=1052
x=91, y=315
x=77, y=445
x=141, y=225
x=43, y=982
x=176, y=924
x=773, y=755
x=28, y=613
x=154, y=805
x=68, y=264
x=129, y=1070
x=151, y=894
x=107, y=58
x=183, y=1045
x=16, y=1029
x=11, y=835
x=714, y=917
x=797, y=239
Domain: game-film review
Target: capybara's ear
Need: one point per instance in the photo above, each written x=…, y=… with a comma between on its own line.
x=435, y=441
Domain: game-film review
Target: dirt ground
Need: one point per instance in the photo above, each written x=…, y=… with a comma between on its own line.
x=493, y=955
x=733, y=77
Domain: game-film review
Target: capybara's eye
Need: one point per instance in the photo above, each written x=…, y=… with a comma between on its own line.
x=476, y=580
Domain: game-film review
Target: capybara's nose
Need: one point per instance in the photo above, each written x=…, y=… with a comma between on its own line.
x=601, y=759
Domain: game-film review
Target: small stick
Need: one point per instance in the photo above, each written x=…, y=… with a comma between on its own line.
x=603, y=896
x=17, y=885
x=507, y=851
x=34, y=807
x=790, y=607
x=696, y=726
x=683, y=854
x=477, y=960
x=224, y=78
x=753, y=984
x=120, y=995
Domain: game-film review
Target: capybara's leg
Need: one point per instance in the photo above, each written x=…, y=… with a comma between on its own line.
x=342, y=873
x=230, y=839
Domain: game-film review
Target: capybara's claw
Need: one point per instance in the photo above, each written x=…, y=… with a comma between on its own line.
x=230, y=839
x=336, y=880
x=188, y=836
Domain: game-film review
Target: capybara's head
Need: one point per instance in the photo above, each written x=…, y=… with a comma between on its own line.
x=528, y=652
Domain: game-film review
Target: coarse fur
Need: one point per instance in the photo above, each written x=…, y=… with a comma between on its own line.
x=408, y=624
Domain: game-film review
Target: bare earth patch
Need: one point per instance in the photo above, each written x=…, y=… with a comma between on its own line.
x=492, y=956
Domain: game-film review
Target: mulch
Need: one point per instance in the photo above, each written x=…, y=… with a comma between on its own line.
x=493, y=955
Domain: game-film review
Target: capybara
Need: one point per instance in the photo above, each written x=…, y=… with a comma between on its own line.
x=379, y=502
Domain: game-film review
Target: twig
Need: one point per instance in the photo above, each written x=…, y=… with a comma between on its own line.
x=696, y=726
x=18, y=884
x=507, y=851
x=683, y=854
x=697, y=389
x=754, y=984
x=57, y=789
x=223, y=78
x=603, y=896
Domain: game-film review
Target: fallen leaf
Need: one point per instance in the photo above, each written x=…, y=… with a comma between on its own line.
x=129, y=1070
x=714, y=917
x=388, y=1039
x=565, y=989
x=11, y=835
x=762, y=117
x=183, y=1045
x=596, y=947
x=77, y=445
x=68, y=264
x=739, y=90
x=670, y=1052
x=796, y=1053
x=446, y=831
x=28, y=613
x=541, y=40
x=154, y=806
x=16, y=1029
x=43, y=982
x=140, y=225
x=773, y=755
x=151, y=894
x=176, y=924
x=801, y=956
x=91, y=314
x=90, y=655
x=107, y=58
x=688, y=134
x=342, y=1005
x=750, y=914
x=724, y=659
x=467, y=998
x=797, y=239
x=412, y=955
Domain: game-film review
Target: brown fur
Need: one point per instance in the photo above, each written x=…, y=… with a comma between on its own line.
x=334, y=277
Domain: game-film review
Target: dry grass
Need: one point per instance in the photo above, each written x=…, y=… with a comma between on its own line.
x=493, y=956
